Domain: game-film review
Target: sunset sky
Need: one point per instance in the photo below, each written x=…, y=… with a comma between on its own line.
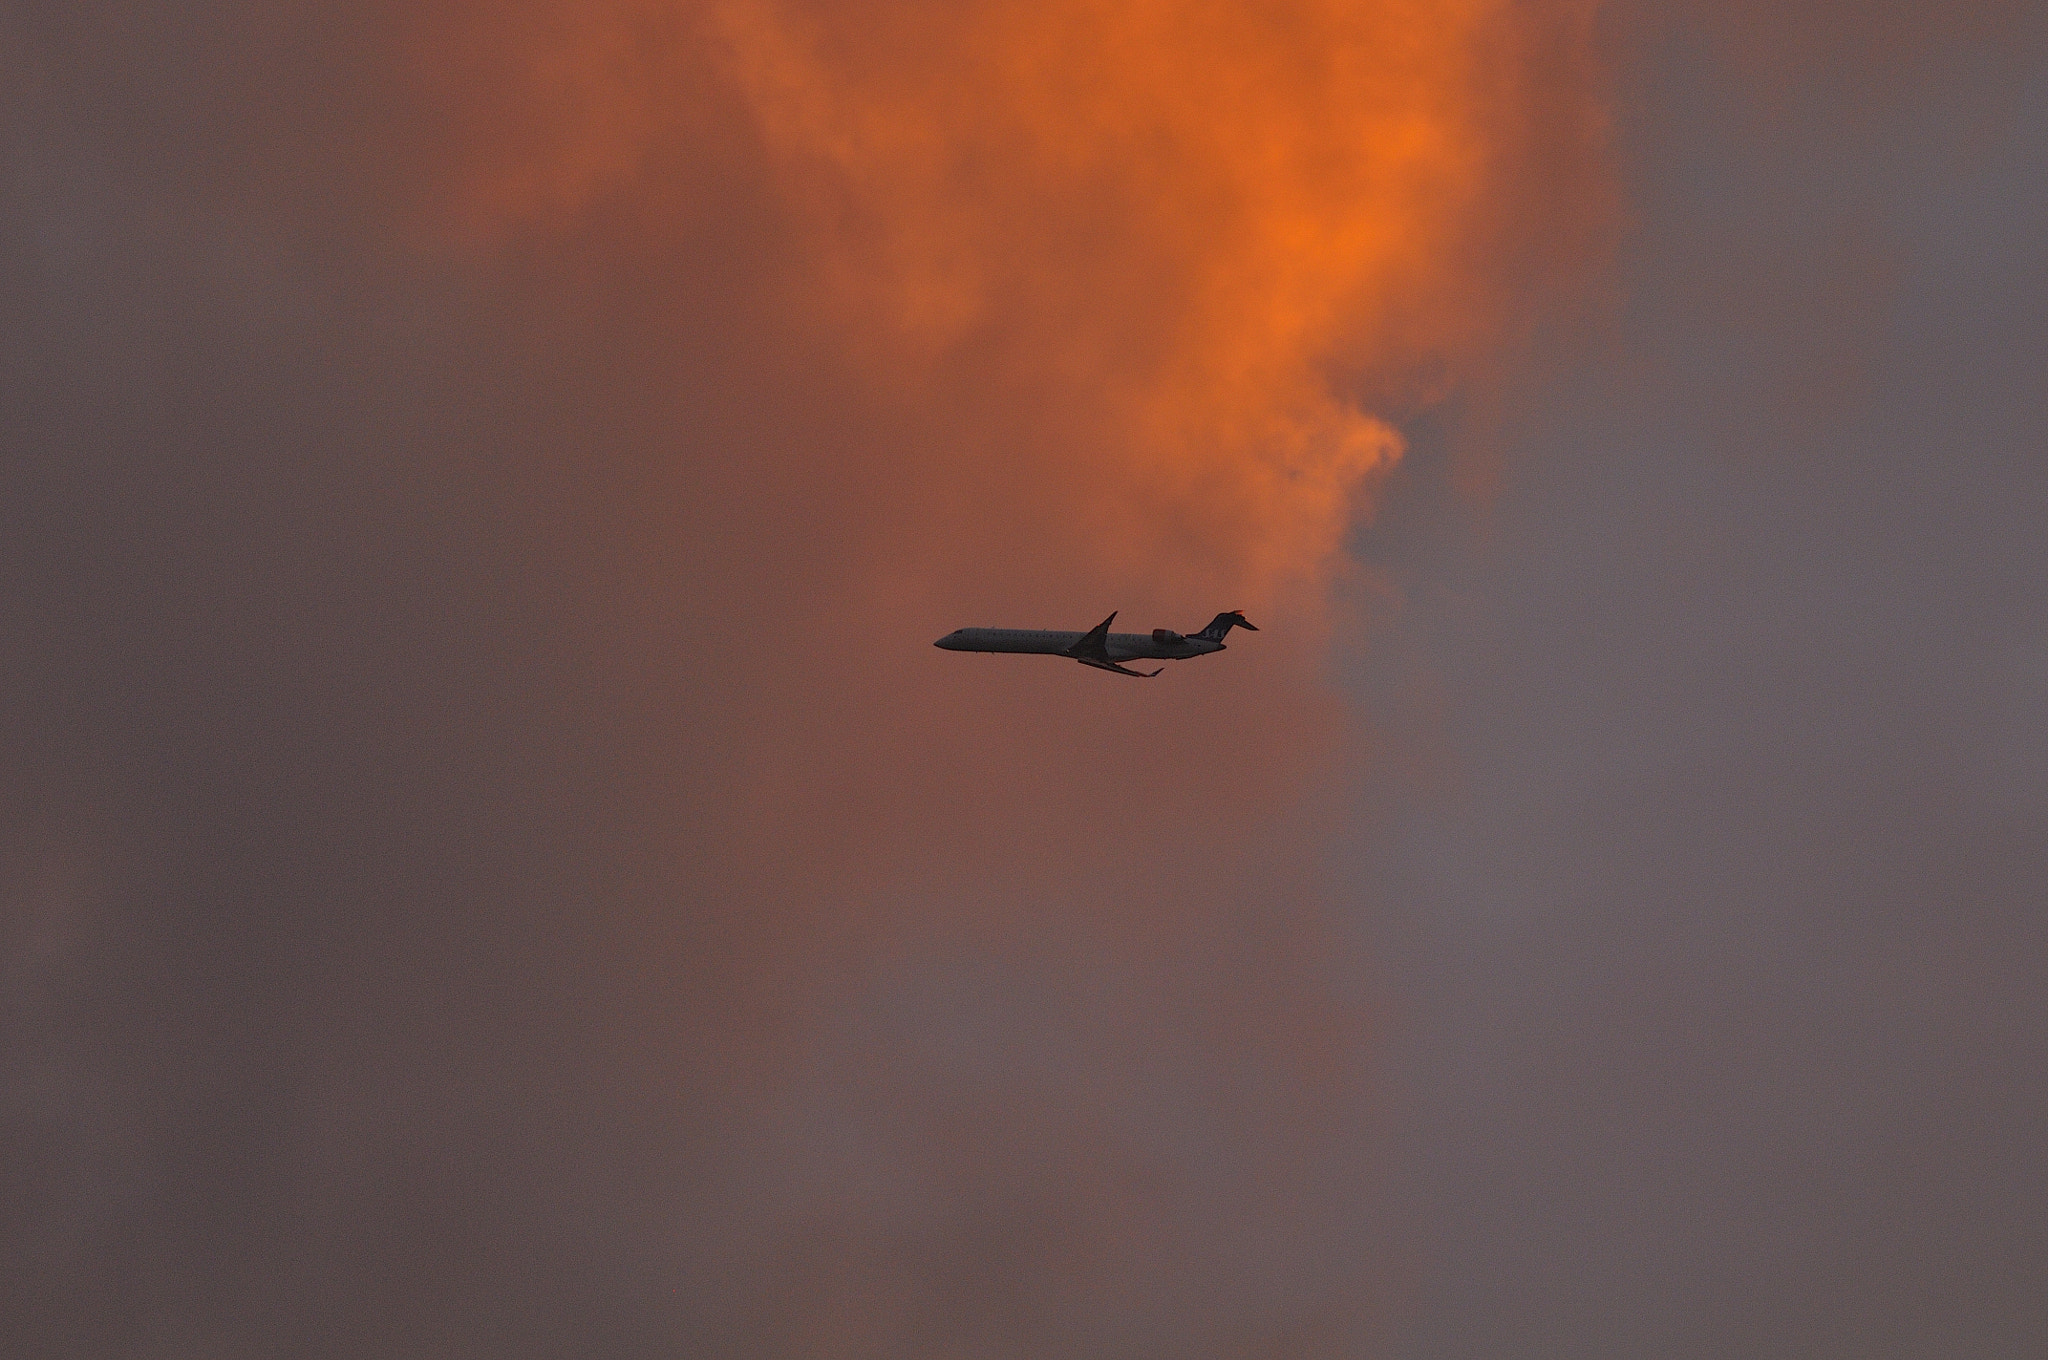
x=492, y=864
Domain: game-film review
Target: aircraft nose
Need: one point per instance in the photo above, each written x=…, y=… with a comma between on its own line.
x=951, y=641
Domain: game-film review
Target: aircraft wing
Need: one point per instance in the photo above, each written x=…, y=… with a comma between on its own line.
x=1104, y=664
x=1093, y=650
x=1094, y=644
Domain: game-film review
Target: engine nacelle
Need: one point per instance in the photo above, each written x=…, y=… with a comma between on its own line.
x=1166, y=635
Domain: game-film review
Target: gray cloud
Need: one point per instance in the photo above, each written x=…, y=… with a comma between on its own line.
x=1720, y=945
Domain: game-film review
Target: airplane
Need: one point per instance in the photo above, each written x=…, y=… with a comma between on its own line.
x=1098, y=647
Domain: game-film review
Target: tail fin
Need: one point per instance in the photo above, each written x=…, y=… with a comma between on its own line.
x=1223, y=623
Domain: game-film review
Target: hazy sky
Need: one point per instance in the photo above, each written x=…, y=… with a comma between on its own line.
x=493, y=865
x=1721, y=938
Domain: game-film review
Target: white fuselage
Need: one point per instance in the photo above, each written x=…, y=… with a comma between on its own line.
x=1053, y=642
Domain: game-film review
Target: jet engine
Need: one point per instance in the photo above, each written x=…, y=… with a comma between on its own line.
x=1166, y=635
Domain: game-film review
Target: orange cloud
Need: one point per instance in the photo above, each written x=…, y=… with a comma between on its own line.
x=1210, y=232
x=1168, y=269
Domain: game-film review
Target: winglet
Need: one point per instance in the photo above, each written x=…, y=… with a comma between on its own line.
x=1094, y=644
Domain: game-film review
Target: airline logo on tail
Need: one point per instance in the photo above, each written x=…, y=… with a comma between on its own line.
x=1223, y=623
